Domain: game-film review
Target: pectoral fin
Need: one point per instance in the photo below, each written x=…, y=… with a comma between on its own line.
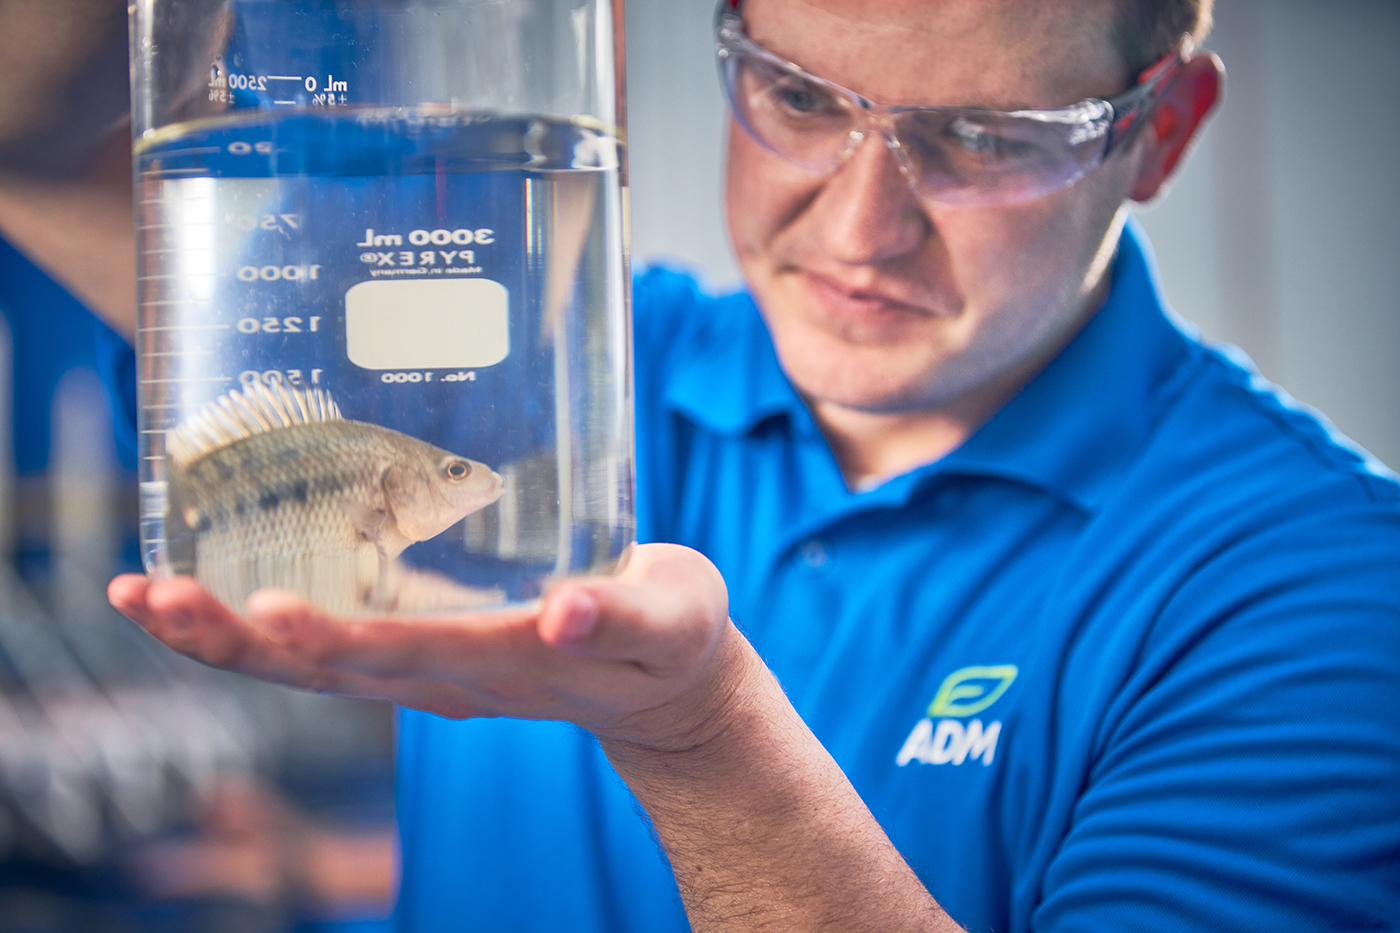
x=376, y=525
x=368, y=521
x=381, y=597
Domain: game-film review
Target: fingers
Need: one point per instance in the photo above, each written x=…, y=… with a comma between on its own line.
x=127, y=594
x=169, y=609
x=188, y=619
x=179, y=613
x=482, y=664
x=665, y=611
x=389, y=646
x=427, y=662
x=595, y=650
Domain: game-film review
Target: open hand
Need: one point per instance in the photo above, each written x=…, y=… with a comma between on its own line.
x=640, y=656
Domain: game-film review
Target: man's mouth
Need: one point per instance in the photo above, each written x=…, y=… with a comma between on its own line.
x=871, y=304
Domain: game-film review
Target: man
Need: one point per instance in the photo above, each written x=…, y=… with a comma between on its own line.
x=1079, y=627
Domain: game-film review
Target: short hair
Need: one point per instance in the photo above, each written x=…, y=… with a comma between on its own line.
x=1146, y=30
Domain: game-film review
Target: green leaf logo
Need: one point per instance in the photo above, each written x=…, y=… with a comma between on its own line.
x=971, y=690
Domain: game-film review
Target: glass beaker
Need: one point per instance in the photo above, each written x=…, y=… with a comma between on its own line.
x=384, y=344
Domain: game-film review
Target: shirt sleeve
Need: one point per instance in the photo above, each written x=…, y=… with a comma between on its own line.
x=116, y=364
x=1251, y=778
x=664, y=319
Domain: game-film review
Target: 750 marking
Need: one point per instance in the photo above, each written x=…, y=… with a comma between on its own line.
x=279, y=222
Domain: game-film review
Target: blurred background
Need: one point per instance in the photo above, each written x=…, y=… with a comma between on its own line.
x=140, y=791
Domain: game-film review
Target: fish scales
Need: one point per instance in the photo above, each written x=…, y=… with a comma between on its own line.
x=306, y=501
x=268, y=509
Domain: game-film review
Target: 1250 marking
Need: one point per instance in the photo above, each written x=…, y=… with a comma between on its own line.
x=279, y=325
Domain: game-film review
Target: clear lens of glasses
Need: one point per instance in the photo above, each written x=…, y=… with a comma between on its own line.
x=953, y=155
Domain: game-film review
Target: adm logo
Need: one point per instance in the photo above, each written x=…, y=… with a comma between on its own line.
x=952, y=741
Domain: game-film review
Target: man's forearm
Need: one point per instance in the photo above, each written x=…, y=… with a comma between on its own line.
x=65, y=148
x=763, y=830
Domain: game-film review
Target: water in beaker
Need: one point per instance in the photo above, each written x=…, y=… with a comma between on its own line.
x=383, y=349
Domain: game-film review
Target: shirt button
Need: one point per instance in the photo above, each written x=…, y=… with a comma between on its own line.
x=814, y=556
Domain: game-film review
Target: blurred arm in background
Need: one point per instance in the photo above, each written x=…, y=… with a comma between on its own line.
x=255, y=844
x=65, y=148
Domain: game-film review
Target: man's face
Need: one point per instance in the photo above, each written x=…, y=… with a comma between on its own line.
x=881, y=301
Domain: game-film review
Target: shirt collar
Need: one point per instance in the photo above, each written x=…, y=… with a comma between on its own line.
x=1071, y=431
x=1077, y=425
x=734, y=380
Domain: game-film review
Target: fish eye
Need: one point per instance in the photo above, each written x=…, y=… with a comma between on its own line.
x=457, y=470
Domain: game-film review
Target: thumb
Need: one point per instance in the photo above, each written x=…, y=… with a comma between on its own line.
x=665, y=611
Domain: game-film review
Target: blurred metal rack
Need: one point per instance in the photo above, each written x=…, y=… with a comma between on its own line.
x=107, y=738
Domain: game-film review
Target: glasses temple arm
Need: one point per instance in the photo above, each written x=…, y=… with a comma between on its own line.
x=1132, y=105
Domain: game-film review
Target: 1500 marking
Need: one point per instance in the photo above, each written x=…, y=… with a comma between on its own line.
x=278, y=325
x=274, y=377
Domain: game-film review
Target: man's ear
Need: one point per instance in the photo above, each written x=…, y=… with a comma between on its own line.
x=1176, y=121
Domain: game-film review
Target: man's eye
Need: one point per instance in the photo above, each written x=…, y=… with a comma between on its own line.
x=972, y=137
x=981, y=141
x=802, y=99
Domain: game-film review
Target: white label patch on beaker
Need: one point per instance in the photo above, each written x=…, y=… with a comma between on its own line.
x=456, y=323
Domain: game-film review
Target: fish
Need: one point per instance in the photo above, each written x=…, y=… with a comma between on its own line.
x=271, y=486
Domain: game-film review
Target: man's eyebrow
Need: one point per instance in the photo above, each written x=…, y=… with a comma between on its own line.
x=1000, y=106
x=1004, y=106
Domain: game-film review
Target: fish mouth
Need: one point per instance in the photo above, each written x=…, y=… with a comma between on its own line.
x=497, y=487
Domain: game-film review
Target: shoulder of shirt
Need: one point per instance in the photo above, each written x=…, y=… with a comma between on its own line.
x=672, y=308
x=1250, y=436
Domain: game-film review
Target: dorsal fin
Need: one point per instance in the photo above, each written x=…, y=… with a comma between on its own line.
x=239, y=414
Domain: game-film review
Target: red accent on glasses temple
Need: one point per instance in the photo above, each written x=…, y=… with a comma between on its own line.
x=1165, y=62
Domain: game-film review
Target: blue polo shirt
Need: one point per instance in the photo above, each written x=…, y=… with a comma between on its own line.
x=1128, y=659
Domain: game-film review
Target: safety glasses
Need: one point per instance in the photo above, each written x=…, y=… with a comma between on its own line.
x=951, y=155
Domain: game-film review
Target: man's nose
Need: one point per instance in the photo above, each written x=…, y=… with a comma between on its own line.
x=867, y=210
